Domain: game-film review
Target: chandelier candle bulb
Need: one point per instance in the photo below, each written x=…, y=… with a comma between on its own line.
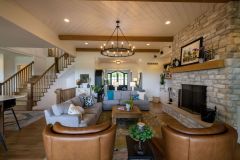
x=115, y=48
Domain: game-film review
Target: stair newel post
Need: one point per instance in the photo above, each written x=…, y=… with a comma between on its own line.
x=58, y=95
x=30, y=96
x=1, y=84
x=56, y=65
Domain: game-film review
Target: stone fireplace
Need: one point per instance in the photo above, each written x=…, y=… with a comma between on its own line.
x=192, y=98
x=220, y=30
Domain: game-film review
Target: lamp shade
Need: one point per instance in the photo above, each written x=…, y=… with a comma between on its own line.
x=132, y=84
x=115, y=84
x=134, y=79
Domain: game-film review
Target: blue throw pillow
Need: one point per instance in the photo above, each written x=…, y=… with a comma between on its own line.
x=110, y=94
x=135, y=97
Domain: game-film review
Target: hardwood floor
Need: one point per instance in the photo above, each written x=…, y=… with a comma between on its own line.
x=27, y=143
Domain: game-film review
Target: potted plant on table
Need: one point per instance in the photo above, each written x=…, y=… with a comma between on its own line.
x=140, y=132
x=129, y=104
x=162, y=80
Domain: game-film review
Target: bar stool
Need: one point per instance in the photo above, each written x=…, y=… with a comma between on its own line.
x=3, y=142
x=15, y=117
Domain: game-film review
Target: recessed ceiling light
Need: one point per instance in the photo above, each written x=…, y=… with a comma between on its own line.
x=86, y=43
x=66, y=20
x=167, y=22
x=148, y=44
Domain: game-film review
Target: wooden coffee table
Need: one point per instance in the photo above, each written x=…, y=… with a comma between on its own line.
x=116, y=113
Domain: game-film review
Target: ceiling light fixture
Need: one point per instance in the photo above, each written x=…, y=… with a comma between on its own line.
x=118, y=62
x=116, y=48
x=148, y=44
x=66, y=20
x=86, y=43
x=167, y=22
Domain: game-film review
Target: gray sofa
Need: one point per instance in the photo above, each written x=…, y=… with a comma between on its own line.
x=59, y=113
x=121, y=96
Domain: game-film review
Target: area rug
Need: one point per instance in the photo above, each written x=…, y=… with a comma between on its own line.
x=24, y=119
x=152, y=120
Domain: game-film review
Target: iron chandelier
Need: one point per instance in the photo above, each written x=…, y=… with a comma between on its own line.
x=114, y=47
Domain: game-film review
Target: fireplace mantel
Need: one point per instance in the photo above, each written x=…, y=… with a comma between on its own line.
x=199, y=66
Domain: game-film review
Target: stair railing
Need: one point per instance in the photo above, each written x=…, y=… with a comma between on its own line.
x=16, y=81
x=37, y=88
x=63, y=95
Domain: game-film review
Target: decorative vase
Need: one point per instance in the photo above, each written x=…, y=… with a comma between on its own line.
x=128, y=107
x=140, y=149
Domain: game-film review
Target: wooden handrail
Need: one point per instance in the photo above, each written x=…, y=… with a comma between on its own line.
x=18, y=71
x=11, y=85
x=44, y=73
x=42, y=83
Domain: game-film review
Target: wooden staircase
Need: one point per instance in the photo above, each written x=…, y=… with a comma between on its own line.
x=33, y=87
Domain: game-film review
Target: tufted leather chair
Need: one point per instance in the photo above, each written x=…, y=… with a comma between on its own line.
x=217, y=142
x=91, y=143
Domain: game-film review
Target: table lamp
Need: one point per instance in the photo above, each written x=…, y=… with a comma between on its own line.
x=116, y=84
x=132, y=84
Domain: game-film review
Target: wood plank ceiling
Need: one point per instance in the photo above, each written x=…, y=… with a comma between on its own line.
x=142, y=21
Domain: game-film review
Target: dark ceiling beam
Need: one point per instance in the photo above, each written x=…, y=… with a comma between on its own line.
x=190, y=1
x=98, y=50
x=106, y=38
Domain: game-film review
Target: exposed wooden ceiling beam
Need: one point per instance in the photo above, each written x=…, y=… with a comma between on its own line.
x=191, y=1
x=106, y=38
x=98, y=50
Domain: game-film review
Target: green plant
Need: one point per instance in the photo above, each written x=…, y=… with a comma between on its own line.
x=162, y=78
x=130, y=102
x=139, y=134
x=96, y=89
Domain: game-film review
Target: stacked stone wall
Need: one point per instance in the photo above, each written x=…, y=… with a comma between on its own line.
x=220, y=29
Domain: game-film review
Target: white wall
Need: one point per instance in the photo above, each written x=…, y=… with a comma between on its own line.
x=39, y=55
x=9, y=61
x=1, y=68
x=86, y=63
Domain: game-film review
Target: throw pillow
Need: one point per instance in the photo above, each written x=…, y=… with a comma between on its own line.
x=76, y=101
x=110, y=94
x=135, y=97
x=141, y=95
x=75, y=109
x=89, y=101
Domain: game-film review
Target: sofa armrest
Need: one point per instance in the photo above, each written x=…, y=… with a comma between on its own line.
x=146, y=98
x=66, y=120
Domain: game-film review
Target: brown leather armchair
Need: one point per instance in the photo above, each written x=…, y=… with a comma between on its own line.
x=91, y=143
x=217, y=142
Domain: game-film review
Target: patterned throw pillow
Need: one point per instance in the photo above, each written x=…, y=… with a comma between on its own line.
x=89, y=101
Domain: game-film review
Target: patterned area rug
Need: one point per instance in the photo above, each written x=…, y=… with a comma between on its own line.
x=120, y=152
x=24, y=119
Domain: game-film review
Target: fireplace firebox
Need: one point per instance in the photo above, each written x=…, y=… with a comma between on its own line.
x=192, y=98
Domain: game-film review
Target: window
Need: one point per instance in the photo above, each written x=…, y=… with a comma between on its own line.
x=120, y=77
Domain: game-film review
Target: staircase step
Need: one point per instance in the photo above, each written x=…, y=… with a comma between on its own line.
x=21, y=108
x=21, y=102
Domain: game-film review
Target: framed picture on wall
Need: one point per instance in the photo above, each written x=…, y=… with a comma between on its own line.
x=190, y=52
x=84, y=78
